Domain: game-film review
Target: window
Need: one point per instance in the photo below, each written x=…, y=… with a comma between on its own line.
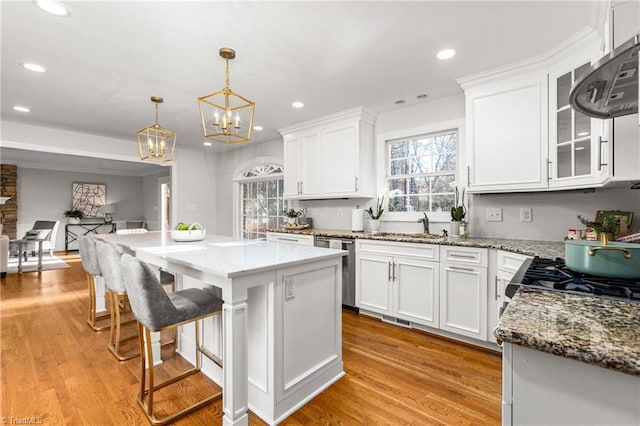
x=420, y=170
x=261, y=201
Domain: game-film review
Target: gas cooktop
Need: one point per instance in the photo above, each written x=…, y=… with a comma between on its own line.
x=553, y=274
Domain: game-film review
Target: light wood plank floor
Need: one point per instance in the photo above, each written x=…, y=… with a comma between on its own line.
x=55, y=368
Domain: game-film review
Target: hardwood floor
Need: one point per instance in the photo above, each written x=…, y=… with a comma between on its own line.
x=55, y=368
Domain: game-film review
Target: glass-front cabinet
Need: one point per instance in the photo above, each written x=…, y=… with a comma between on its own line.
x=578, y=151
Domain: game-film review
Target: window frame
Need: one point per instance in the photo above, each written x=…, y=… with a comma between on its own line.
x=382, y=140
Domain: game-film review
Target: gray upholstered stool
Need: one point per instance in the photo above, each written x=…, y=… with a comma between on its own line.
x=109, y=260
x=89, y=258
x=157, y=310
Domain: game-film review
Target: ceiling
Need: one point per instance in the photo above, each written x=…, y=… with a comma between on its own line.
x=108, y=58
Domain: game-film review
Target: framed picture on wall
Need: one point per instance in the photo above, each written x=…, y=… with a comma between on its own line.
x=89, y=198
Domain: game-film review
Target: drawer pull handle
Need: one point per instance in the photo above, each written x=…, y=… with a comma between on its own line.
x=495, y=285
x=287, y=239
x=457, y=268
x=463, y=256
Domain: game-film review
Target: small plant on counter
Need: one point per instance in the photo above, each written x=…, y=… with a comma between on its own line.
x=458, y=211
x=608, y=223
x=375, y=214
x=293, y=213
x=75, y=214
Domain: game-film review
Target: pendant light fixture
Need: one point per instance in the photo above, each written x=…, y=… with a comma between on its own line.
x=226, y=116
x=155, y=143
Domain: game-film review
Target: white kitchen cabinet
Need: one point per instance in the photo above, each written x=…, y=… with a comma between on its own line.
x=579, y=154
x=284, y=237
x=544, y=389
x=506, y=144
x=330, y=157
x=502, y=267
x=463, y=291
x=398, y=280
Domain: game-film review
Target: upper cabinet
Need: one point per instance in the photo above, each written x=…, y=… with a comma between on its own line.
x=331, y=157
x=522, y=134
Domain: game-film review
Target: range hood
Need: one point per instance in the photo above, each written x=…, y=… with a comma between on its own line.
x=610, y=87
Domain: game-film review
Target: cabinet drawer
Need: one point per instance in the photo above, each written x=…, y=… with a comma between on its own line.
x=510, y=262
x=415, y=250
x=305, y=240
x=464, y=255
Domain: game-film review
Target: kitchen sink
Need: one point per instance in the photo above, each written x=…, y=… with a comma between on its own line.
x=412, y=235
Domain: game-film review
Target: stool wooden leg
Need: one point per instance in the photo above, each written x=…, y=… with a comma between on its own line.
x=115, y=338
x=91, y=320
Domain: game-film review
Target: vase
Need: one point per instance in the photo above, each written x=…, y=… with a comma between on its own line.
x=374, y=226
x=454, y=228
x=292, y=221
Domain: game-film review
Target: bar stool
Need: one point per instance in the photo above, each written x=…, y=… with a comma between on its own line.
x=109, y=261
x=156, y=311
x=89, y=258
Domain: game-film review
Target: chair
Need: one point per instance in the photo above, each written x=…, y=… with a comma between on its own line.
x=156, y=311
x=89, y=258
x=49, y=242
x=109, y=261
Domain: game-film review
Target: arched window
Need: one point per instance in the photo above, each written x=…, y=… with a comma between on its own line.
x=262, y=204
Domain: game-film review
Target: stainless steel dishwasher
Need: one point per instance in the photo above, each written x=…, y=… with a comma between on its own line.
x=348, y=269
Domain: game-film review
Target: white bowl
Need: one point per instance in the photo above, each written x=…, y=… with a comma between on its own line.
x=189, y=235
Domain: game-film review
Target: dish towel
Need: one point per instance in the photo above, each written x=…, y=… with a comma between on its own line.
x=335, y=244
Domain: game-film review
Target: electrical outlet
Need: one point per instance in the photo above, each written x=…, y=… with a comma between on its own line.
x=288, y=288
x=526, y=214
x=494, y=215
x=339, y=212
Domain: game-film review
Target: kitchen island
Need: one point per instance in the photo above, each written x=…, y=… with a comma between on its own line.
x=281, y=334
x=570, y=359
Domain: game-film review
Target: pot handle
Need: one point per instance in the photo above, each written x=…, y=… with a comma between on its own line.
x=624, y=251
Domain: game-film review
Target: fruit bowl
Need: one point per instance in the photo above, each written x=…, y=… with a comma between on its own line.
x=194, y=233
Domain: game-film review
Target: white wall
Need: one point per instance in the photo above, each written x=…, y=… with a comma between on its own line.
x=553, y=212
x=46, y=194
x=227, y=165
x=194, y=189
x=151, y=200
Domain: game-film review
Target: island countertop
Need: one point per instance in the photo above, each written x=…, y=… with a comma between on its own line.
x=594, y=330
x=223, y=256
x=548, y=249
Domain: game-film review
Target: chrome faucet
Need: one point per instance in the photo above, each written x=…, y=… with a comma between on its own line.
x=425, y=222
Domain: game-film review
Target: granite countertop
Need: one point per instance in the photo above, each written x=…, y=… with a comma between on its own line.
x=548, y=249
x=595, y=330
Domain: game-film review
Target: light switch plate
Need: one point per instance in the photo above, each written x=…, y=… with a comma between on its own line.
x=494, y=215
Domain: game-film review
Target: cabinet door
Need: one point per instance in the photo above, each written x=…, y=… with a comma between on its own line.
x=578, y=155
x=415, y=290
x=340, y=155
x=507, y=135
x=292, y=166
x=496, y=299
x=311, y=182
x=373, y=278
x=463, y=300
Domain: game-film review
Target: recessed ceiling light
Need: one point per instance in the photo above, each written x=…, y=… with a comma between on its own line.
x=53, y=7
x=21, y=108
x=422, y=96
x=446, y=54
x=34, y=67
x=400, y=102
x=207, y=143
x=258, y=128
x=297, y=104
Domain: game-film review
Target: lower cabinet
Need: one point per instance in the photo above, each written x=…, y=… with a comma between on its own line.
x=404, y=287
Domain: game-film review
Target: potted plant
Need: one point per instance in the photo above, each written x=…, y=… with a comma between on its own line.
x=292, y=216
x=458, y=211
x=607, y=224
x=375, y=215
x=74, y=215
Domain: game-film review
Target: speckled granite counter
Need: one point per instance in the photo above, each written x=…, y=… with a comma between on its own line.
x=548, y=249
x=594, y=330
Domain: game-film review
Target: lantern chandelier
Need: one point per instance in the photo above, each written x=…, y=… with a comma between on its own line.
x=155, y=143
x=226, y=116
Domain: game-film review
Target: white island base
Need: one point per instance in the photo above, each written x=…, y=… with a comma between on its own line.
x=294, y=329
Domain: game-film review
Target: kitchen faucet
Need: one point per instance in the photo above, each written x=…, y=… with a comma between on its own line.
x=425, y=222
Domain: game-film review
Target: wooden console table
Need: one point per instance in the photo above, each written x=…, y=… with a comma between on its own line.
x=72, y=231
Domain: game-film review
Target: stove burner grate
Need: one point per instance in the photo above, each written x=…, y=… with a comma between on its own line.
x=553, y=274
